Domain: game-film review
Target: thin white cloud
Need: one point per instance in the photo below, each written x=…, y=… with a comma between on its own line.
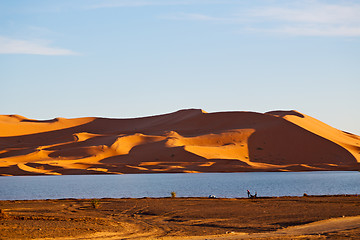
x=144, y=3
x=311, y=18
x=317, y=19
x=196, y=17
x=312, y=13
x=311, y=31
x=15, y=46
x=113, y=4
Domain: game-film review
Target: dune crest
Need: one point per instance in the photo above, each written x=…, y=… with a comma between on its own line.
x=16, y=125
x=188, y=140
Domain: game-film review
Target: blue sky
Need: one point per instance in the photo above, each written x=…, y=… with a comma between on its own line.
x=129, y=58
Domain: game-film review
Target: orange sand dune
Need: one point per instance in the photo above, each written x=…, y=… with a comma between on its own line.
x=184, y=141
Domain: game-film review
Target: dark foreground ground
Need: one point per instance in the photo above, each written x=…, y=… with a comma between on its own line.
x=174, y=218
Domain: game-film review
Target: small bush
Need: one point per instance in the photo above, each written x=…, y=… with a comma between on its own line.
x=95, y=203
x=173, y=194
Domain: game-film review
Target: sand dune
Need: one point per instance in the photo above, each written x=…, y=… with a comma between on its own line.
x=184, y=141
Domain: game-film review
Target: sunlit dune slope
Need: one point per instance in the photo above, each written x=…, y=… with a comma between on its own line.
x=184, y=141
x=16, y=125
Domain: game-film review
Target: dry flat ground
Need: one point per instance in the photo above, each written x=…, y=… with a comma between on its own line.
x=314, y=217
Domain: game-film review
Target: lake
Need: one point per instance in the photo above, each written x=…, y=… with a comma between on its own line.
x=227, y=185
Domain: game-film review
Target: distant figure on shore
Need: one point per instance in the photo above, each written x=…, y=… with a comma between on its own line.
x=251, y=196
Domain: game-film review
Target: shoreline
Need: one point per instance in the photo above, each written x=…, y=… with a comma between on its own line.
x=181, y=218
x=34, y=174
x=189, y=198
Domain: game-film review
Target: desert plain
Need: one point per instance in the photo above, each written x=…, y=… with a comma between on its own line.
x=311, y=217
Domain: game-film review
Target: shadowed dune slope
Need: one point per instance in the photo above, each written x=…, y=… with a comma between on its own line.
x=184, y=141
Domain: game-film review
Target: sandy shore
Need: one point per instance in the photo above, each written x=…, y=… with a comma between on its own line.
x=312, y=217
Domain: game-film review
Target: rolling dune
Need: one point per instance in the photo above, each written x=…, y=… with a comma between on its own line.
x=184, y=141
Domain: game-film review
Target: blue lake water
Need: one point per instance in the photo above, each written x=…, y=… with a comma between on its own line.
x=228, y=185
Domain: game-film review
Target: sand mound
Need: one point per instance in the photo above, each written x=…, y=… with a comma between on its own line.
x=184, y=141
x=16, y=125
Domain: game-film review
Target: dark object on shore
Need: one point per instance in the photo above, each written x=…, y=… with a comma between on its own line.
x=212, y=196
x=251, y=196
x=305, y=195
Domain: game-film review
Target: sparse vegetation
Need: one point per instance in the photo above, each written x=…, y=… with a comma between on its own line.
x=95, y=203
x=173, y=194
